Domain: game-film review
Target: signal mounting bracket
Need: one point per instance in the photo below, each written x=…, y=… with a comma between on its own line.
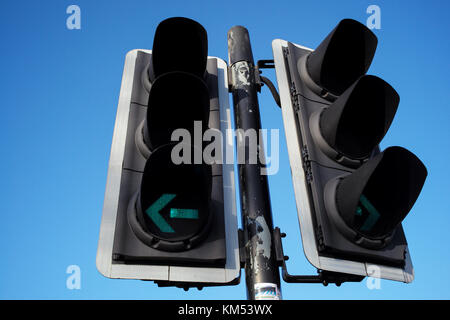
x=324, y=277
x=261, y=80
x=266, y=64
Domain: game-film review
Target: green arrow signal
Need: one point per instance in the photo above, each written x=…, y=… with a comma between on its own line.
x=155, y=216
x=154, y=213
x=373, y=217
x=184, y=213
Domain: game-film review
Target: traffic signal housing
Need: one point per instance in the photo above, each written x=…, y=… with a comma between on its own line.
x=351, y=197
x=168, y=215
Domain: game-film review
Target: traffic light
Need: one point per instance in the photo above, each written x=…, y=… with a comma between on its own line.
x=351, y=197
x=168, y=215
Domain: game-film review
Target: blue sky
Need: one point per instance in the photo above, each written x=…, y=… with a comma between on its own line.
x=60, y=89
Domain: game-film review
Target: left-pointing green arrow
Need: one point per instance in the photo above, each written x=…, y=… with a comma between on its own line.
x=155, y=216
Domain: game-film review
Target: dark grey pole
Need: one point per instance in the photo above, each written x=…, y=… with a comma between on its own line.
x=261, y=270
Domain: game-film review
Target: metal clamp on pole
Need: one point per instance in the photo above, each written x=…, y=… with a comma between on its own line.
x=261, y=267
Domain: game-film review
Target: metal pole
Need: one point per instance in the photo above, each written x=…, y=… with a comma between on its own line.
x=261, y=269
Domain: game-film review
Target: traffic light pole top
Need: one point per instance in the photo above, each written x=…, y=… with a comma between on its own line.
x=239, y=48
